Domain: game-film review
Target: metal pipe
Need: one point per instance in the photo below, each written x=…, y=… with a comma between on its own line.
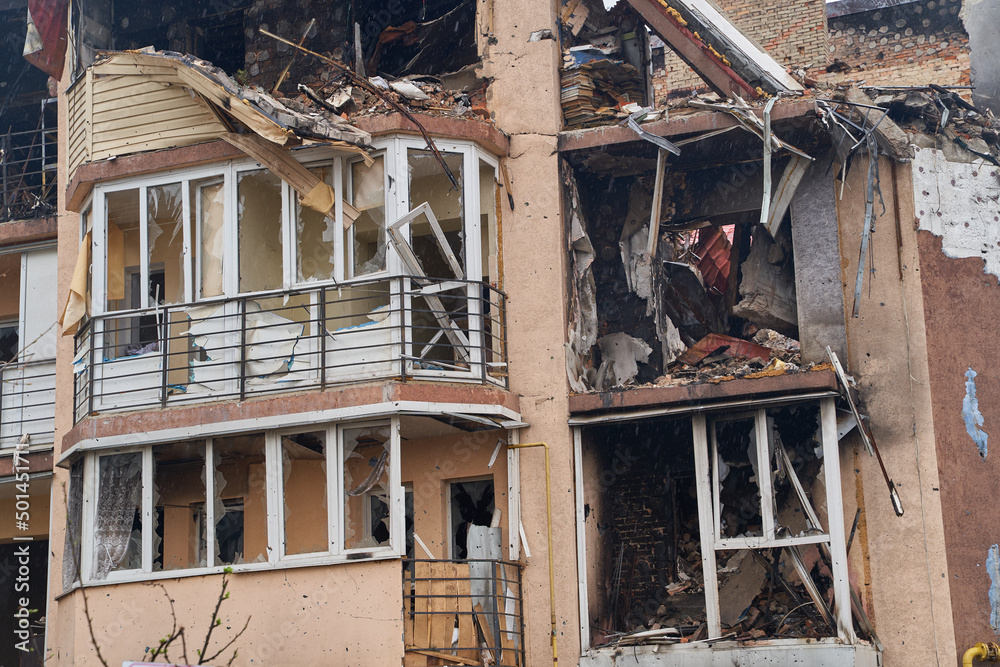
x=549, y=546
x=982, y=652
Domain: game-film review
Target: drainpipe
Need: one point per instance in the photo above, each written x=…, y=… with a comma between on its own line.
x=982, y=652
x=549, y=547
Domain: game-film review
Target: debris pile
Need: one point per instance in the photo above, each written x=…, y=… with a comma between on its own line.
x=942, y=112
x=602, y=66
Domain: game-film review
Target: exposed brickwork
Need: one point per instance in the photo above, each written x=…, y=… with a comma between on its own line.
x=907, y=45
x=792, y=31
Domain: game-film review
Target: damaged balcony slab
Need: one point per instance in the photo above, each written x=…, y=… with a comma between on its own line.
x=575, y=140
x=818, y=379
x=484, y=133
x=776, y=653
x=387, y=395
x=28, y=231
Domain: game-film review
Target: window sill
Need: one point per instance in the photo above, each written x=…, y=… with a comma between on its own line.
x=290, y=562
x=828, y=652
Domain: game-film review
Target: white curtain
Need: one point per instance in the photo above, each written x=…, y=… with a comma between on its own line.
x=119, y=493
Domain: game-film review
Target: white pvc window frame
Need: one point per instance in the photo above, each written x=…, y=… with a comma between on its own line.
x=707, y=485
x=277, y=558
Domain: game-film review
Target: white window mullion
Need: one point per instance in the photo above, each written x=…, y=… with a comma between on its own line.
x=99, y=257
x=764, y=482
x=705, y=482
x=716, y=489
x=835, y=519
x=209, y=503
x=333, y=485
x=230, y=235
x=288, y=235
x=339, y=270
x=340, y=491
x=90, y=492
x=187, y=222
x=275, y=506
x=397, y=495
x=143, y=250
x=147, y=509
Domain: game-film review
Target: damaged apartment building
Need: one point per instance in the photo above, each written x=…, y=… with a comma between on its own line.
x=468, y=332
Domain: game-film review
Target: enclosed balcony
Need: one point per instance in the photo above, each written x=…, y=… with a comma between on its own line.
x=215, y=283
x=400, y=328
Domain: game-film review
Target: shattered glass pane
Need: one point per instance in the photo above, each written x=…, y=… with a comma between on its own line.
x=259, y=224
x=429, y=183
x=118, y=518
x=74, y=526
x=365, y=249
x=165, y=238
x=241, y=500
x=314, y=236
x=123, y=248
x=488, y=210
x=303, y=468
x=366, y=485
x=472, y=504
x=735, y=455
x=179, y=506
x=208, y=199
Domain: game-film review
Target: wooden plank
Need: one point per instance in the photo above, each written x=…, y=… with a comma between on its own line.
x=447, y=658
x=787, y=186
x=483, y=620
x=117, y=68
x=443, y=605
x=421, y=604
x=466, y=618
x=112, y=130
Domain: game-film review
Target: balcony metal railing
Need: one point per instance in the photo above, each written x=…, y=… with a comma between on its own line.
x=465, y=612
x=27, y=402
x=28, y=163
x=394, y=328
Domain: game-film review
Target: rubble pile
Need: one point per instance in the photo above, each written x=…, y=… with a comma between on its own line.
x=936, y=110
x=423, y=93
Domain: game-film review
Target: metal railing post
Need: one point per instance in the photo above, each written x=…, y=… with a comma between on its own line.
x=243, y=348
x=165, y=343
x=91, y=371
x=321, y=329
x=402, y=329
x=483, y=303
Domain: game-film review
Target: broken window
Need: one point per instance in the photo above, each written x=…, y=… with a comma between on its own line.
x=10, y=307
x=303, y=470
x=241, y=486
x=118, y=517
x=179, y=527
x=365, y=244
x=259, y=223
x=366, y=486
x=74, y=527
x=472, y=504
x=315, y=238
x=208, y=197
x=210, y=502
x=766, y=564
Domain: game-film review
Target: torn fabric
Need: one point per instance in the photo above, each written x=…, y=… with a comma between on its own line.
x=76, y=301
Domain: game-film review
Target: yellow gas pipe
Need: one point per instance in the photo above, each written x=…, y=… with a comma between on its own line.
x=982, y=652
x=549, y=547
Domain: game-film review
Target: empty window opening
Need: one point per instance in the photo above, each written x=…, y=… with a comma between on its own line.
x=472, y=504
x=179, y=502
x=762, y=481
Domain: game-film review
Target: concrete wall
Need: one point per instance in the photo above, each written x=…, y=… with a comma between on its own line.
x=524, y=100
x=899, y=561
x=958, y=224
x=347, y=614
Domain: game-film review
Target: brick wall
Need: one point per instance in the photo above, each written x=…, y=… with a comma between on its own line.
x=907, y=45
x=792, y=31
